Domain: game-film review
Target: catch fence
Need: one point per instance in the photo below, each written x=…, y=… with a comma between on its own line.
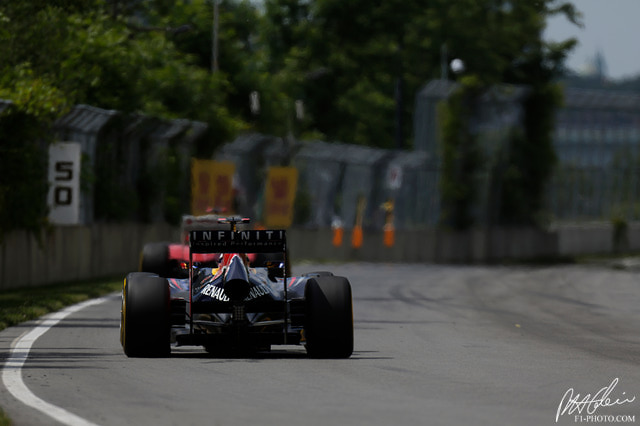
x=596, y=140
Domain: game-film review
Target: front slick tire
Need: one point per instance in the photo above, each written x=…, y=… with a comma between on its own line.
x=329, y=317
x=145, y=328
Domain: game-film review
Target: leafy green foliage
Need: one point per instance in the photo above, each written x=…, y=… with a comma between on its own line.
x=35, y=96
x=342, y=59
x=23, y=181
x=75, y=55
x=345, y=60
x=461, y=157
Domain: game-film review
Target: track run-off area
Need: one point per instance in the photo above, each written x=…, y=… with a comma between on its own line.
x=434, y=345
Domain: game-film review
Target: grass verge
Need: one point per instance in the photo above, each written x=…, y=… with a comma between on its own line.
x=4, y=420
x=24, y=304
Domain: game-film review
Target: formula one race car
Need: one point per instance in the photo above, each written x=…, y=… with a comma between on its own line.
x=234, y=307
x=170, y=259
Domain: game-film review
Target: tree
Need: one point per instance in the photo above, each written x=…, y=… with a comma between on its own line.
x=239, y=56
x=531, y=158
x=462, y=158
x=347, y=67
x=92, y=55
x=353, y=63
x=513, y=52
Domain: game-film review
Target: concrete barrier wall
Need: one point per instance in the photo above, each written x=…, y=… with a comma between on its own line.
x=100, y=250
x=74, y=253
x=427, y=246
x=588, y=238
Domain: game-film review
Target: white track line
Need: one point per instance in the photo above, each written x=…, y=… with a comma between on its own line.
x=12, y=371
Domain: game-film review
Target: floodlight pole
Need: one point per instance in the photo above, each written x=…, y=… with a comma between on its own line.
x=444, y=67
x=214, y=44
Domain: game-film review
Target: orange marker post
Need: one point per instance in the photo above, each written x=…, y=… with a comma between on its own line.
x=337, y=236
x=389, y=231
x=356, y=236
x=389, y=235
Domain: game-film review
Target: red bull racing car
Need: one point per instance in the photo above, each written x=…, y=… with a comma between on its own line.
x=233, y=306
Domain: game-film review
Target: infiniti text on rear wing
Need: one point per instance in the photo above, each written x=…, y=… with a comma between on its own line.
x=218, y=241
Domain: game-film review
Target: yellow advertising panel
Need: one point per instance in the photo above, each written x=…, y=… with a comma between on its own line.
x=280, y=195
x=211, y=186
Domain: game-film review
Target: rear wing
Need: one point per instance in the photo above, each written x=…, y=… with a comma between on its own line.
x=253, y=241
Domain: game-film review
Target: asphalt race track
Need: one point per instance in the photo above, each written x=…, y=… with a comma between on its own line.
x=434, y=345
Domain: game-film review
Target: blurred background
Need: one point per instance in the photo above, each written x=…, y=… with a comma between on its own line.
x=504, y=124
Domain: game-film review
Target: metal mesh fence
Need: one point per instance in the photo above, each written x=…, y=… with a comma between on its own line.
x=597, y=142
x=333, y=179
x=141, y=165
x=134, y=167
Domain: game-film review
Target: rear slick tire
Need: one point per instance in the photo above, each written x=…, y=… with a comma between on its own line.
x=329, y=317
x=145, y=323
